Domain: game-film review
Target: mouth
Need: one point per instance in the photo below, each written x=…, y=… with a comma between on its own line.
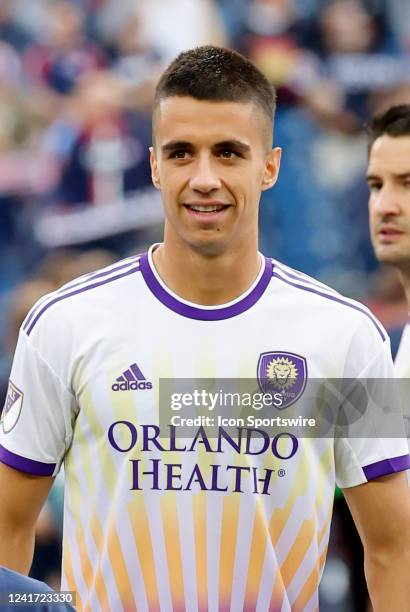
x=209, y=212
x=389, y=234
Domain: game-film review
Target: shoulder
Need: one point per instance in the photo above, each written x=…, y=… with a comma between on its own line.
x=13, y=581
x=79, y=293
x=324, y=301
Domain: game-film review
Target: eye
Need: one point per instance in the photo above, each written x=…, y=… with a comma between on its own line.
x=374, y=187
x=180, y=154
x=228, y=154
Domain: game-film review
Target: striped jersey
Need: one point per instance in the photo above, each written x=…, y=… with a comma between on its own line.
x=402, y=361
x=158, y=521
x=402, y=368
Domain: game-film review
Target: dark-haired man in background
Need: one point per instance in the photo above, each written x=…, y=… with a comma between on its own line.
x=155, y=520
x=388, y=177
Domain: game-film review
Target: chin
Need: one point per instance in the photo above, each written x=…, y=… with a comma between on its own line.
x=391, y=256
x=210, y=246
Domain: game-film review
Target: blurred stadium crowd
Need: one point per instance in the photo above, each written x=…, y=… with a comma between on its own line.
x=76, y=86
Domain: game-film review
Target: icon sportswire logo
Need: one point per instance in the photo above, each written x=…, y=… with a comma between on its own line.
x=131, y=380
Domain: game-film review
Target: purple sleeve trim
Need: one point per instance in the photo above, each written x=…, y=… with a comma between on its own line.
x=387, y=466
x=23, y=464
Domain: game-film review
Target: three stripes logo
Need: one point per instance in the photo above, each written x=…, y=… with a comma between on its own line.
x=131, y=380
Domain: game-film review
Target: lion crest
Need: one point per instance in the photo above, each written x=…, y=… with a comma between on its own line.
x=282, y=372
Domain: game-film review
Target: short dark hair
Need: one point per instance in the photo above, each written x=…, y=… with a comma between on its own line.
x=393, y=122
x=216, y=73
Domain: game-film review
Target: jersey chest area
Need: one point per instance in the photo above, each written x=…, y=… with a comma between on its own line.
x=141, y=350
x=135, y=381
x=133, y=367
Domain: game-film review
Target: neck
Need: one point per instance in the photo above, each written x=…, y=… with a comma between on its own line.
x=405, y=281
x=205, y=279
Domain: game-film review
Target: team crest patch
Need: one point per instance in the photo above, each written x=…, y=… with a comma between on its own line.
x=284, y=373
x=12, y=407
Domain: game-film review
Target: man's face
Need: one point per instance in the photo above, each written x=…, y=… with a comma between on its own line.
x=388, y=177
x=211, y=161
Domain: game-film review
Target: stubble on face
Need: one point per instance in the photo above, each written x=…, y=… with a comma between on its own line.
x=388, y=177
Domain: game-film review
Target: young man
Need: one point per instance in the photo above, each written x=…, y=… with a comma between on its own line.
x=154, y=521
x=388, y=177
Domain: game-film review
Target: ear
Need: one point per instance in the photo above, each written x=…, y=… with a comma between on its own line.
x=154, y=169
x=271, y=171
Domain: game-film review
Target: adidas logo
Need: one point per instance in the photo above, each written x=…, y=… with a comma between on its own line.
x=131, y=380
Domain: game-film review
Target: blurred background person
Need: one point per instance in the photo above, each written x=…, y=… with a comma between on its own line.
x=64, y=55
x=106, y=158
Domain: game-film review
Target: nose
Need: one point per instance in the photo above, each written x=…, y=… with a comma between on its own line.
x=386, y=202
x=204, y=178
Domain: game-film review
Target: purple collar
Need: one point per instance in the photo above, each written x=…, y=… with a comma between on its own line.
x=215, y=313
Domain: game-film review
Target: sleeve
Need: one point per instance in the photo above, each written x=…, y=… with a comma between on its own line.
x=37, y=418
x=13, y=582
x=375, y=444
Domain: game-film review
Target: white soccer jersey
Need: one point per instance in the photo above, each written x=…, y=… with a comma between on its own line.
x=402, y=361
x=155, y=522
x=402, y=368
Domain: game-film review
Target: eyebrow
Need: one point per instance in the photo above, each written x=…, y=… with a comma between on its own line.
x=176, y=144
x=233, y=144
x=184, y=144
x=400, y=176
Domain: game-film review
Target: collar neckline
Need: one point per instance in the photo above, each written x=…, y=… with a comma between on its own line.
x=196, y=311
